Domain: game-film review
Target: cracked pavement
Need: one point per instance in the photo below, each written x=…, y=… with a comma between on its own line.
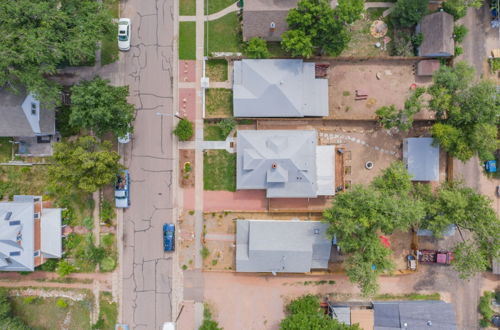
x=148, y=70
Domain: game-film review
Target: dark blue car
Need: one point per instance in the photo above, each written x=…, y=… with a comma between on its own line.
x=168, y=237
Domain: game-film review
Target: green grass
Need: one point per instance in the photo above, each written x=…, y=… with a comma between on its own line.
x=224, y=34
x=276, y=51
x=216, y=69
x=219, y=102
x=212, y=132
x=187, y=40
x=187, y=7
x=219, y=170
x=109, y=48
x=375, y=13
x=108, y=242
x=410, y=296
x=5, y=149
x=215, y=6
x=43, y=313
x=108, y=313
x=113, y=6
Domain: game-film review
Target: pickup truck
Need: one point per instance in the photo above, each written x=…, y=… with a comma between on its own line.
x=435, y=257
x=122, y=190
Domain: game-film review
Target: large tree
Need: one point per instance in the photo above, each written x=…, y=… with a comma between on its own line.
x=39, y=35
x=98, y=106
x=407, y=13
x=314, y=25
x=84, y=164
x=467, y=113
x=305, y=313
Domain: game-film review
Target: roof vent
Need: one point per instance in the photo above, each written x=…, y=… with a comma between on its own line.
x=8, y=215
x=274, y=165
x=316, y=231
x=429, y=323
x=272, y=26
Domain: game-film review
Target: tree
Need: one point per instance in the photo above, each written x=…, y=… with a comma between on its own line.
x=98, y=106
x=305, y=313
x=256, y=48
x=467, y=113
x=469, y=260
x=458, y=8
x=315, y=25
x=84, y=164
x=390, y=117
x=38, y=36
x=184, y=130
x=407, y=13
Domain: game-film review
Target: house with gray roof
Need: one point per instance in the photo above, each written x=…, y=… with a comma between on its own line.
x=414, y=315
x=281, y=246
x=421, y=158
x=278, y=88
x=286, y=163
x=29, y=233
x=437, y=30
x=266, y=18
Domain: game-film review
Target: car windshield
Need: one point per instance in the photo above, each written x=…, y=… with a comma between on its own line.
x=122, y=37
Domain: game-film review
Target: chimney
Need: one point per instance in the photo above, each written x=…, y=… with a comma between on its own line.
x=272, y=26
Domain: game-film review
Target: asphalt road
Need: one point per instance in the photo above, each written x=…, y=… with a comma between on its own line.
x=148, y=70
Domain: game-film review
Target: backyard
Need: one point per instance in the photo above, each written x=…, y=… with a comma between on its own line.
x=219, y=103
x=219, y=170
x=223, y=34
x=5, y=149
x=187, y=40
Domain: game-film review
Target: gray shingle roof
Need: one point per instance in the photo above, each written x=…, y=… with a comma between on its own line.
x=278, y=88
x=281, y=161
x=18, y=122
x=281, y=246
x=421, y=159
x=437, y=29
x=414, y=315
x=258, y=15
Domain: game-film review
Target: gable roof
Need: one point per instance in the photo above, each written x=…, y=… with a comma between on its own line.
x=414, y=315
x=281, y=161
x=259, y=14
x=16, y=119
x=278, y=88
x=421, y=159
x=437, y=30
x=281, y=246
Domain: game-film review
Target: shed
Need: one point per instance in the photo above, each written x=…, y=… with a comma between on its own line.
x=437, y=30
x=421, y=158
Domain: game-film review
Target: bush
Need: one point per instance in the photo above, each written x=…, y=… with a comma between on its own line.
x=495, y=64
x=88, y=222
x=407, y=13
x=61, y=303
x=48, y=266
x=256, y=48
x=226, y=126
x=184, y=130
x=459, y=33
x=485, y=308
x=29, y=300
x=107, y=211
x=108, y=264
x=204, y=252
x=64, y=268
x=402, y=44
x=108, y=240
x=458, y=50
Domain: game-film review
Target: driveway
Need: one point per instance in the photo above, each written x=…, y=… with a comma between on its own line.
x=147, y=69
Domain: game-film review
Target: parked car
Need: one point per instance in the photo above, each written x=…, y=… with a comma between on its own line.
x=124, y=32
x=168, y=237
x=122, y=190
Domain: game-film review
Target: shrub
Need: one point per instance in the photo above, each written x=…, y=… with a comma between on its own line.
x=402, y=44
x=495, y=64
x=256, y=47
x=417, y=39
x=459, y=33
x=61, y=303
x=204, y=252
x=108, y=264
x=29, y=300
x=108, y=240
x=48, y=266
x=64, y=268
x=88, y=222
x=226, y=126
x=485, y=308
x=107, y=211
x=184, y=130
x=458, y=50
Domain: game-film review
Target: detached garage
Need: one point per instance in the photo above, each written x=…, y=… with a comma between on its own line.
x=421, y=158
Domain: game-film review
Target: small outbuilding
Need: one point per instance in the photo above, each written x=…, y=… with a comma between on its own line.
x=281, y=246
x=421, y=158
x=437, y=30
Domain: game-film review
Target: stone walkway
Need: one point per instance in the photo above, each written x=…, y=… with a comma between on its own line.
x=330, y=138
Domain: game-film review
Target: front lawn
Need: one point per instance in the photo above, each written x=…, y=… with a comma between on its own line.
x=219, y=170
x=224, y=34
x=187, y=40
x=108, y=313
x=219, y=102
x=187, y=7
x=212, y=132
x=215, y=6
x=44, y=313
x=5, y=149
x=216, y=70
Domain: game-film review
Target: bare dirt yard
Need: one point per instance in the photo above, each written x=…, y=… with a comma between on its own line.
x=384, y=82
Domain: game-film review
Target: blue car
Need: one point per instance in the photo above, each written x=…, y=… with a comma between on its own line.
x=168, y=237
